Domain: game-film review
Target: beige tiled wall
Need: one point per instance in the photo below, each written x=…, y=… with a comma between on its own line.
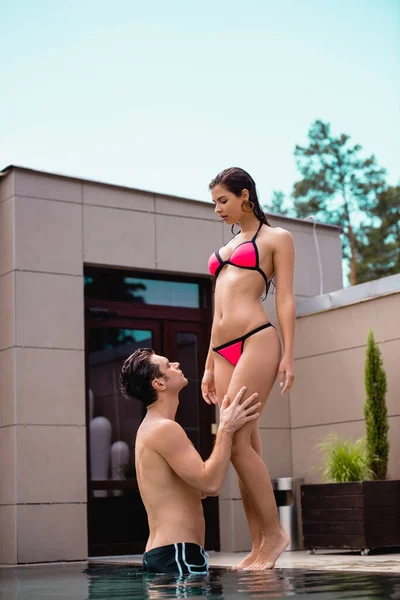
x=7, y=387
x=42, y=408
x=52, y=236
x=8, y=434
x=7, y=186
x=7, y=312
x=49, y=310
x=50, y=532
x=119, y=237
x=329, y=393
x=188, y=254
x=8, y=538
x=7, y=235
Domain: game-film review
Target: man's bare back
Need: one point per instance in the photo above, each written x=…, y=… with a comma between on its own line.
x=173, y=507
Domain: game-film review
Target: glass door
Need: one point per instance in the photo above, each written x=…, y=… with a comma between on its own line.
x=124, y=313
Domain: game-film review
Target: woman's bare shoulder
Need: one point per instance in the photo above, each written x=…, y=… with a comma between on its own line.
x=278, y=236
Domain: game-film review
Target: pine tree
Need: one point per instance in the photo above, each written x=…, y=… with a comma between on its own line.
x=276, y=205
x=337, y=184
x=375, y=410
x=378, y=248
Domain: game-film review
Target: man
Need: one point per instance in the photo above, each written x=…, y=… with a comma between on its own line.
x=171, y=475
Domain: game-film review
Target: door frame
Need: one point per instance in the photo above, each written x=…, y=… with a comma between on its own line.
x=164, y=322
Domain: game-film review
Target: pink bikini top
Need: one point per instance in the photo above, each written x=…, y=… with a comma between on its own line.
x=244, y=256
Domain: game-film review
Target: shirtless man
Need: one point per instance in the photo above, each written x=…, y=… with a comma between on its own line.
x=171, y=475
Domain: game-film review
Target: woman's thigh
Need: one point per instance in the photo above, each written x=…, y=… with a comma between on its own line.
x=257, y=370
x=223, y=371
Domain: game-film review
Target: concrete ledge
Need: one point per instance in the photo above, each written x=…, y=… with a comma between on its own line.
x=350, y=295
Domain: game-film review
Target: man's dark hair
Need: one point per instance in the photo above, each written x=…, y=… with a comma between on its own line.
x=136, y=376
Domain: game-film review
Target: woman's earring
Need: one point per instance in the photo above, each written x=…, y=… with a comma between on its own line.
x=247, y=206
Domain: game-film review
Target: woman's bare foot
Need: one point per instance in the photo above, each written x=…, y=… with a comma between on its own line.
x=270, y=550
x=247, y=561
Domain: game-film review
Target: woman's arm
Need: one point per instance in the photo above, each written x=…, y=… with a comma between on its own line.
x=285, y=305
x=210, y=359
x=208, y=390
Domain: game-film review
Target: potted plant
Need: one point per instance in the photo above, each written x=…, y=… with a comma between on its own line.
x=359, y=508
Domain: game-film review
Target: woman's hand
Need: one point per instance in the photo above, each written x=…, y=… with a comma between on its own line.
x=208, y=387
x=286, y=374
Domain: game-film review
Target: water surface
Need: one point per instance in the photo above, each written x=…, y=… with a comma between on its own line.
x=112, y=582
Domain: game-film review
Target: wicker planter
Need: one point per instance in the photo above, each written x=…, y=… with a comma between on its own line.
x=361, y=515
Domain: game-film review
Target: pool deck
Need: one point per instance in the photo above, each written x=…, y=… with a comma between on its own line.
x=321, y=561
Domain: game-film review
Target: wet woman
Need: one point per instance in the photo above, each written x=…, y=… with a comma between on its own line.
x=245, y=348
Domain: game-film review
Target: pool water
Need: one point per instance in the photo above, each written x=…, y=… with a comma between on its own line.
x=80, y=582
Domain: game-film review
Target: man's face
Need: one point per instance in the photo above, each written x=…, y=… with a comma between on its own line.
x=173, y=378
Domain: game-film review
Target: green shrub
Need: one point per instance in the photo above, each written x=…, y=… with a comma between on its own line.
x=375, y=410
x=345, y=461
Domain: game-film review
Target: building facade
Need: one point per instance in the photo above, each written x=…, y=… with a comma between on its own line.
x=88, y=272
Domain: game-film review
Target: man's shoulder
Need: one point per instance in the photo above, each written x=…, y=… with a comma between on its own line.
x=159, y=432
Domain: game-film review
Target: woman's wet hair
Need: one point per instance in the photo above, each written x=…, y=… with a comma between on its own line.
x=236, y=180
x=136, y=377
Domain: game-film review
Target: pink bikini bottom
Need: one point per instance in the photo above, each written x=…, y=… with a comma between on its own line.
x=233, y=350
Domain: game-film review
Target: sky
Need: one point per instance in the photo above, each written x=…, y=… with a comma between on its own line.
x=163, y=94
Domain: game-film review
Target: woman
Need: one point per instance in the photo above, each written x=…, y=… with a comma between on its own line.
x=245, y=348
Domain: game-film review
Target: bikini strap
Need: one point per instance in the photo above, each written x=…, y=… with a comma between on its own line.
x=256, y=233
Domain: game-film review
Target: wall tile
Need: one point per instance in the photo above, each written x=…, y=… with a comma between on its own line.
x=277, y=452
x=7, y=387
x=394, y=451
x=230, y=488
x=7, y=259
x=7, y=465
x=119, y=237
x=276, y=411
x=8, y=538
x=49, y=310
x=328, y=389
x=347, y=327
x=390, y=356
x=181, y=207
x=226, y=525
x=7, y=311
x=48, y=236
x=7, y=186
x=55, y=532
x=50, y=386
x=50, y=187
x=51, y=464
x=103, y=195
x=204, y=237
x=242, y=537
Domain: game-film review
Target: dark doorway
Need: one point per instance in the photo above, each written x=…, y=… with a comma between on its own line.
x=125, y=311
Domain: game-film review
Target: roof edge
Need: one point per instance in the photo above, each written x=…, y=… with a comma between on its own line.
x=351, y=295
x=4, y=172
